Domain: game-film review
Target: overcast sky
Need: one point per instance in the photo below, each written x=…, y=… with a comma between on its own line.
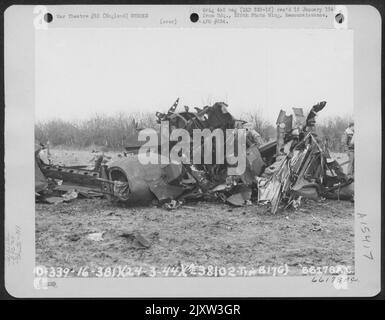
x=80, y=72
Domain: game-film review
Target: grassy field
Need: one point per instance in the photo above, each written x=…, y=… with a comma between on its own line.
x=318, y=234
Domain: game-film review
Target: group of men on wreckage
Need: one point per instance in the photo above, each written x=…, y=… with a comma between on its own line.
x=348, y=144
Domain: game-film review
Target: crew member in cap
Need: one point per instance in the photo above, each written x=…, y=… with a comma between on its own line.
x=348, y=143
x=252, y=136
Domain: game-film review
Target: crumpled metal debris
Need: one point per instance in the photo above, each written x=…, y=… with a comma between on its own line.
x=95, y=236
x=52, y=200
x=81, y=191
x=240, y=196
x=301, y=170
x=295, y=166
x=56, y=198
x=70, y=195
x=173, y=204
x=121, y=190
x=137, y=240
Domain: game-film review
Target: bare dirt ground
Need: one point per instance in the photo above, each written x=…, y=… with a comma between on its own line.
x=318, y=234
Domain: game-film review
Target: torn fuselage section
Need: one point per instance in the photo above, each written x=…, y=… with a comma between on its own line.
x=303, y=167
x=135, y=182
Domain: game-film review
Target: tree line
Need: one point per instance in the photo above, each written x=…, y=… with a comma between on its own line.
x=120, y=130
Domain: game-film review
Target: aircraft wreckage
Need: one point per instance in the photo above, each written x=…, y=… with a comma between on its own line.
x=278, y=174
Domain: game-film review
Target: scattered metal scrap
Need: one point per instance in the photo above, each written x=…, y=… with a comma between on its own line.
x=138, y=241
x=295, y=166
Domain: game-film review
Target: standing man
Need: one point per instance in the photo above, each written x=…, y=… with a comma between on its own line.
x=100, y=158
x=252, y=136
x=348, y=143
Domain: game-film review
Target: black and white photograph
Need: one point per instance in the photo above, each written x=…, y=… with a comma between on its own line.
x=188, y=145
